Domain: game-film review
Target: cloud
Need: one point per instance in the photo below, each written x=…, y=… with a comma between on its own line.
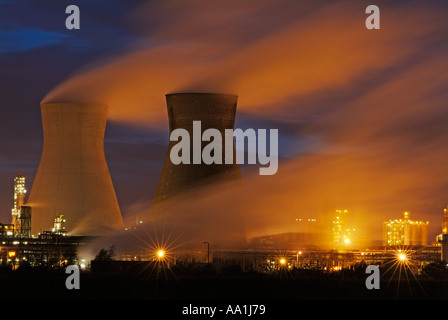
x=24, y=39
x=197, y=49
x=375, y=101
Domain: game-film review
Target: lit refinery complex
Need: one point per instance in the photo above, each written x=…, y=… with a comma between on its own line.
x=73, y=203
x=55, y=248
x=50, y=248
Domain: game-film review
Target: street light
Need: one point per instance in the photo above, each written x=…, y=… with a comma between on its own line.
x=208, y=251
x=298, y=253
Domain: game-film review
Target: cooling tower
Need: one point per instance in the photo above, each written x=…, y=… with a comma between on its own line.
x=73, y=178
x=214, y=111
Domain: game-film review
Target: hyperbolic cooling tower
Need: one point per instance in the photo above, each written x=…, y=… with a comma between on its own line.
x=73, y=178
x=214, y=111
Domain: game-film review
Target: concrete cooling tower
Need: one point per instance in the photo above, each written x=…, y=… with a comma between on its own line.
x=214, y=111
x=73, y=178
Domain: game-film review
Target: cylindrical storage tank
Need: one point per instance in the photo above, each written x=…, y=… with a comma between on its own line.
x=73, y=178
x=214, y=111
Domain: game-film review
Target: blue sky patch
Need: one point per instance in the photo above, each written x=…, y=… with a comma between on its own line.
x=19, y=40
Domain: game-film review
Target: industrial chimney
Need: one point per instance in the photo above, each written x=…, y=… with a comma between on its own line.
x=73, y=178
x=214, y=111
x=443, y=238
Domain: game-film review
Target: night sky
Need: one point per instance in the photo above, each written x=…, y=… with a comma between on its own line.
x=362, y=114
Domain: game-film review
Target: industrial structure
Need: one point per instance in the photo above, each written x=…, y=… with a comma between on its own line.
x=73, y=178
x=214, y=111
x=20, y=214
x=343, y=233
x=442, y=238
x=50, y=248
x=19, y=197
x=46, y=250
x=73, y=200
x=405, y=232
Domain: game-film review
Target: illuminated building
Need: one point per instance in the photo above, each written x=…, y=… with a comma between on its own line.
x=403, y=232
x=50, y=248
x=445, y=221
x=7, y=230
x=19, y=198
x=20, y=214
x=343, y=235
x=443, y=238
x=58, y=227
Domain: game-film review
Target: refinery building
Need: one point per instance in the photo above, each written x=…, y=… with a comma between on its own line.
x=49, y=248
x=405, y=232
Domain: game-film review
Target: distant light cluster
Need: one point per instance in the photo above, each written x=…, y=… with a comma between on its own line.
x=405, y=232
x=343, y=234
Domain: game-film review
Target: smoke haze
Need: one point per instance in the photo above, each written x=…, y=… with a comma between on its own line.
x=361, y=114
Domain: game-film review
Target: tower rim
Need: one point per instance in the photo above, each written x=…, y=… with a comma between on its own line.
x=201, y=93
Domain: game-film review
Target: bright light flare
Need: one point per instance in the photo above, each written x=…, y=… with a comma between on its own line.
x=160, y=254
x=402, y=268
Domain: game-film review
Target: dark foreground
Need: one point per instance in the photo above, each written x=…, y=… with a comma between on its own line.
x=157, y=284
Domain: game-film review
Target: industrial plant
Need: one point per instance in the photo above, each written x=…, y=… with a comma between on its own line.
x=405, y=232
x=51, y=248
x=73, y=201
x=72, y=198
